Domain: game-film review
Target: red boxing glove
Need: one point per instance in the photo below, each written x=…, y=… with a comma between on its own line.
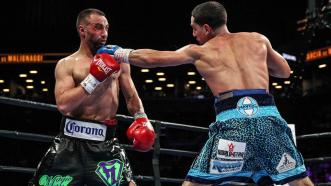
x=102, y=66
x=142, y=134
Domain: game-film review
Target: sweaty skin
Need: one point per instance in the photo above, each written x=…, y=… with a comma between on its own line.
x=102, y=104
x=227, y=61
x=72, y=99
x=98, y=106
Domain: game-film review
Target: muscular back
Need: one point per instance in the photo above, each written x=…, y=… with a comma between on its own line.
x=227, y=61
x=73, y=101
x=234, y=61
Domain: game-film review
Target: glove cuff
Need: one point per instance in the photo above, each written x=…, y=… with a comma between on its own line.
x=122, y=55
x=90, y=83
x=139, y=115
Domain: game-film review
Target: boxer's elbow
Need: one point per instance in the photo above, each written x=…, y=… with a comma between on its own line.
x=280, y=70
x=63, y=108
x=286, y=72
x=280, y=74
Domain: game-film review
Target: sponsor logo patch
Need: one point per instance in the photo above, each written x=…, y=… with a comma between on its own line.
x=231, y=150
x=57, y=180
x=247, y=106
x=110, y=172
x=85, y=130
x=221, y=167
x=230, y=157
x=286, y=163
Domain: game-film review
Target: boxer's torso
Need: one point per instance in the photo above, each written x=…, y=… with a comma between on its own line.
x=234, y=61
x=103, y=102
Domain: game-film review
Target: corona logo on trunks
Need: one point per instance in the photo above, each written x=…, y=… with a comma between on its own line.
x=247, y=106
x=85, y=130
x=110, y=172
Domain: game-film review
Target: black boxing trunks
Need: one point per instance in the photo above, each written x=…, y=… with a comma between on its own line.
x=85, y=153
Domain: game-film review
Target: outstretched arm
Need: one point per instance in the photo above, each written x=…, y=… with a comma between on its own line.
x=150, y=58
x=153, y=58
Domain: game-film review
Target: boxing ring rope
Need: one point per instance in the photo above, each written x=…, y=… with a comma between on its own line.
x=312, y=136
x=32, y=170
x=156, y=149
x=46, y=138
x=50, y=107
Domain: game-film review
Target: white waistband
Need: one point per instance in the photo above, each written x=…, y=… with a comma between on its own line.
x=84, y=130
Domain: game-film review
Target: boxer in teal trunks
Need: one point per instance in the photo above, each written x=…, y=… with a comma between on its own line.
x=249, y=142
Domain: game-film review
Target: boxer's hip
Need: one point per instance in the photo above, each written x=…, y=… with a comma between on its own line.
x=248, y=103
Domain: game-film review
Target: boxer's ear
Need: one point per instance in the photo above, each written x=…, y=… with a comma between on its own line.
x=207, y=29
x=81, y=30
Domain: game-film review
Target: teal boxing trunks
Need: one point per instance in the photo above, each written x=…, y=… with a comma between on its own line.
x=249, y=143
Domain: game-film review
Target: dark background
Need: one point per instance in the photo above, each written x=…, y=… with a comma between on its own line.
x=43, y=26
x=50, y=25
